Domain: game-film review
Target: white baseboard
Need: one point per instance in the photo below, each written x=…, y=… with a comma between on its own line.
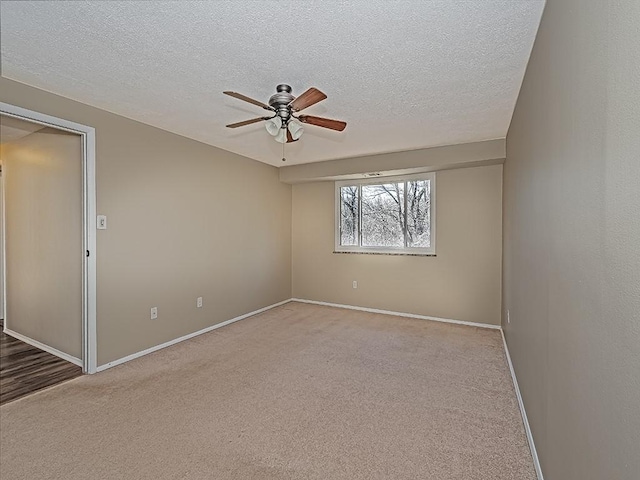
x=399, y=314
x=525, y=420
x=42, y=346
x=186, y=337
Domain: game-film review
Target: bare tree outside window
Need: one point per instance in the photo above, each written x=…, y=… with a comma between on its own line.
x=349, y=215
x=392, y=215
x=383, y=215
x=419, y=213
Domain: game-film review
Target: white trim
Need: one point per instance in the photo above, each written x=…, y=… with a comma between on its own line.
x=90, y=343
x=3, y=270
x=400, y=314
x=525, y=420
x=133, y=356
x=431, y=251
x=88, y=137
x=42, y=346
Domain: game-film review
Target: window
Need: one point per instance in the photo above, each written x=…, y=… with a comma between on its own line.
x=390, y=215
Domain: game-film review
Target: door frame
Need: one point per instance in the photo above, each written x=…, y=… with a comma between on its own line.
x=88, y=140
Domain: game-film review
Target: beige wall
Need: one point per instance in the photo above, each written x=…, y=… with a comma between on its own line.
x=185, y=220
x=43, y=192
x=1, y=236
x=462, y=282
x=572, y=248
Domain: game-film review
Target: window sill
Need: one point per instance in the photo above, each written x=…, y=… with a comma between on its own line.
x=405, y=254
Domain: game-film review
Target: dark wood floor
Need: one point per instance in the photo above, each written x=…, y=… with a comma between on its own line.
x=25, y=369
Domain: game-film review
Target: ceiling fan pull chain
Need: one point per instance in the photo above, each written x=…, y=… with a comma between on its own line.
x=283, y=159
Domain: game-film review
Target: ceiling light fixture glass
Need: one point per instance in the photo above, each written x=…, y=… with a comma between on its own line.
x=281, y=136
x=277, y=128
x=274, y=126
x=296, y=129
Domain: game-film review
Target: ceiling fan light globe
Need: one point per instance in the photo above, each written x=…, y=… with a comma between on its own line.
x=296, y=129
x=273, y=126
x=281, y=137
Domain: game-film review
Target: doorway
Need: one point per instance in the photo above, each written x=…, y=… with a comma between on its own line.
x=48, y=234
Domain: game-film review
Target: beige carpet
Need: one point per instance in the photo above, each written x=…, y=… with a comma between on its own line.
x=298, y=392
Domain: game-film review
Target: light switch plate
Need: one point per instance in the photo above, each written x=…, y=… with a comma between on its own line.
x=102, y=222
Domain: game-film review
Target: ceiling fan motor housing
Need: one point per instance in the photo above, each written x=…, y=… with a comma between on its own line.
x=280, y=102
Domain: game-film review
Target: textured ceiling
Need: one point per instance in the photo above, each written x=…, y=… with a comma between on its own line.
x=403, y=74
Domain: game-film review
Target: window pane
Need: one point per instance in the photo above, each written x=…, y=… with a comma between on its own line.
x=349, y=215
x=383, y=215
x=418, y=213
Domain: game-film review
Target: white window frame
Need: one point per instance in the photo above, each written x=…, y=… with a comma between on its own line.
x=430, y=251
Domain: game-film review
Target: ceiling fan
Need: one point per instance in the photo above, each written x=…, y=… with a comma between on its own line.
x=285, y=125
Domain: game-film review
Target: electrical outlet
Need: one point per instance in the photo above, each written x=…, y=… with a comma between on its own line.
x=355, y=284
x=199, y=302
x=154, y=313
x=508, y=317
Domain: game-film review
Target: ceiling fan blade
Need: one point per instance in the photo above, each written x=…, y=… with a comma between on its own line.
x=247, y=122
x=308, y=98
x=323, y=122
x=240, y=96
